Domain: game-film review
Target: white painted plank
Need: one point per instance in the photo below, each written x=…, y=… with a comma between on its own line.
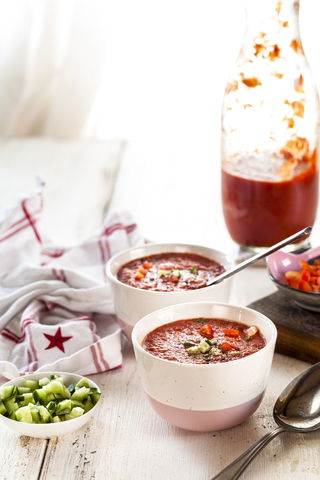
x=21, y=457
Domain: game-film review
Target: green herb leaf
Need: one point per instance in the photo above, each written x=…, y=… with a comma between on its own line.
x=248, y=338
x=194, y=270
x=202, y=321
x=189, y=344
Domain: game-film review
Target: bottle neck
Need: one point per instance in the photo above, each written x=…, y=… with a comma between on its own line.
x=272, y=18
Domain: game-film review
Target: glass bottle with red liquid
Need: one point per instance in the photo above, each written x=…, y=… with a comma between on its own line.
x=270, y=131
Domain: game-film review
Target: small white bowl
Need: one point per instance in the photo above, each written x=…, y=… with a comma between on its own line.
x=132, y=304
x=205, y=397
x=48, y=430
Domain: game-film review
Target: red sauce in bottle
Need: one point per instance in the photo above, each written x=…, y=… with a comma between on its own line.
x=263, y=212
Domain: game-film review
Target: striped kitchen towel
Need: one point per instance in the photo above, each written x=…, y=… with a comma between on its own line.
x=56, y=310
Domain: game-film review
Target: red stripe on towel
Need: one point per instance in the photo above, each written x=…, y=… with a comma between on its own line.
x=103, y=360
x=95, y=358
x=31, y=220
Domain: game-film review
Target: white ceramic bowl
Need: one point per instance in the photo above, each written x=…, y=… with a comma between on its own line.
x=205, y=397
x=48, y=430
x=132, y=304
x=281, y=262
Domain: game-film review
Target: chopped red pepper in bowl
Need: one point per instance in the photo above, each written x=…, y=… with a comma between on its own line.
x=307, y=279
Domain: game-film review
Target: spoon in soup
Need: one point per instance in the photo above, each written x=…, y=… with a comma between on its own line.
x=263, y=254
x=297, y=410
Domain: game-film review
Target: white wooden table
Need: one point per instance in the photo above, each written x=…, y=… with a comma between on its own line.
x=173, y=193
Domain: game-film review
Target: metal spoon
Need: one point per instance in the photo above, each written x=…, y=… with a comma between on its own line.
x=265, y=253
x=297, y=410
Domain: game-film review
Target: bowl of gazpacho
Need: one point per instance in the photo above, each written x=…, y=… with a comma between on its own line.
x=204, y=365
x=145, y=279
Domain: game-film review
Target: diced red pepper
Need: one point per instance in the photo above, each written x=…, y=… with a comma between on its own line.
x=139, y=275
x=231, y=333
x=305, y=276
x=305, y=265
x=226, y=346
x=207, y=331
x=147, y=265
x=305, y=286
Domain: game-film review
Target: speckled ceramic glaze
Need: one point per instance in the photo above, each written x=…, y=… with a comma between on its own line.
x=281, y=262
x=205, y=397
x=132, y=304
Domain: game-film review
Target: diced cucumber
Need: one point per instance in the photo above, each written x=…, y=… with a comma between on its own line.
x=82, y=383
x=40, y=396
x=56, y=419
x=50, y=397
x=12, y=415
x=10, y=404
x=64, y=407
x=75, y=412
x=23, y=414
x=81, y=394
x=43, y=381
x=34, y=410
x=44, y=414
x=60, y=379
x=8, y=392
x=2, y=408
x=72, y=388
x=53, y=387
x=22, y=390
x=27, y=398
x=32, y=384
x=77, y=403
x=87, y=406
x=95, y=397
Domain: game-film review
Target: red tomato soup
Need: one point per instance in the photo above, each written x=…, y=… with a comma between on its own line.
x=170, y=272
x=203, y=341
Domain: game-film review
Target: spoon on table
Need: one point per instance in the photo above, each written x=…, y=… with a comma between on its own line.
x=265, y=253
x=297, y=410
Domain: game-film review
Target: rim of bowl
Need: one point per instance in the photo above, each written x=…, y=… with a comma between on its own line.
x=216, y=365
x=29, y=375
x=132, y=249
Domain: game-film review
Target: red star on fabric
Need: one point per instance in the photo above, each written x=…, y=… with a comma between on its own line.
x=56, y=340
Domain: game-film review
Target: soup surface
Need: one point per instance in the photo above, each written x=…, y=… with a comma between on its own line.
x=203, y=340
x=170, y=272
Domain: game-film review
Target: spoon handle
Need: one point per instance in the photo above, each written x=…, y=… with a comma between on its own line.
x=263, y=254
x=237, y=467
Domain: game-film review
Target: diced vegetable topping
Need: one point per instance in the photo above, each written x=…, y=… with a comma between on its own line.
x=207, y=331
x=307, y=279
x=47, y=400
x=231, y=333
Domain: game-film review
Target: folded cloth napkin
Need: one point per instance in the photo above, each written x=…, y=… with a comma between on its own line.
x=56, y=310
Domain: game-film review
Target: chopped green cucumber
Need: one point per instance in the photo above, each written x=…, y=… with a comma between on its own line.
x=43, y=381
x=10, y=404
x=24, y=414
x=2, y=408
x=32, y=384
x=47, y=401
x=83, y=383
x=81, y=394
x=8, y=392
x=44, y=414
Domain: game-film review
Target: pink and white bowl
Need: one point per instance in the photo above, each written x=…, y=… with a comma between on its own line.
x=131, y=304
x=205, y=397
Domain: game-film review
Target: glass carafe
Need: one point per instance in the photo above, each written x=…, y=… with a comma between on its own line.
x=270, y=131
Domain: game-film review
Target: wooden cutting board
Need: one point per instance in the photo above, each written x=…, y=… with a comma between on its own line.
x=298, y=329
